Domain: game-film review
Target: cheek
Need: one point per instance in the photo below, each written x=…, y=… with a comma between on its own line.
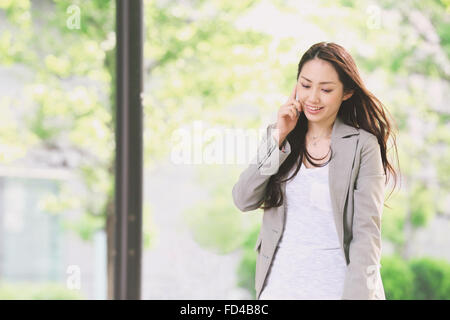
x=332, y=99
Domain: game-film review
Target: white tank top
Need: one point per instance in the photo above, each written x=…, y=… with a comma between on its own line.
x=308, y=262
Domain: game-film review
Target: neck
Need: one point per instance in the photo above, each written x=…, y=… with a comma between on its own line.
x=320, y=129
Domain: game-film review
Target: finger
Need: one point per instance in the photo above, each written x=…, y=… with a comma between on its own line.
x=292, y=113
x=287, y=112
x=295, y=111
x=295, y=105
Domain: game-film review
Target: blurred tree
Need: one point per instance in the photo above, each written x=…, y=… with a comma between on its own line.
x=71, y=90
x=71, y=98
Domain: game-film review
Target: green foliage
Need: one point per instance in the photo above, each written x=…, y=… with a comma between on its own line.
x=40, y=291
x=418, y=279
x=431, y=279
x=17, y=10
x=202, y=62
x=443, y=171
x=398, y=279
x=68, y=89
x=85, y=225
x=393, y=220
x=14, y=141
x=422, y=206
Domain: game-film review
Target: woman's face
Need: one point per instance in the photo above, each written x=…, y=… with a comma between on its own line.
x=319, y=86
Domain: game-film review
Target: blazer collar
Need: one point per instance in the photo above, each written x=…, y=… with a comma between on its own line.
x=341, y=130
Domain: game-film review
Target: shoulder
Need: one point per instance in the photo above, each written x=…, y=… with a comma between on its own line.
x=367, y=139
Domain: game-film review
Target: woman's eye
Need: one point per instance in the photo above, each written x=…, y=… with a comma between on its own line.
x=327, y=91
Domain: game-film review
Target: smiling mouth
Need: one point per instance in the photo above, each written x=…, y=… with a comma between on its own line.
x=314, y=108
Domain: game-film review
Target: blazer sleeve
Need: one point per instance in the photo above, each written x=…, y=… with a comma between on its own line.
x=249, y=191
x=362, y=279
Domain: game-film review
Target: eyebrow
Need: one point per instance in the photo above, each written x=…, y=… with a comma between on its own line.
x=323, y=82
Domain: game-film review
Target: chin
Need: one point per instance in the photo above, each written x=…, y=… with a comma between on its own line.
x=314, y=117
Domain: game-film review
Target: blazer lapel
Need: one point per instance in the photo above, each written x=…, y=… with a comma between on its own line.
x=344, y=140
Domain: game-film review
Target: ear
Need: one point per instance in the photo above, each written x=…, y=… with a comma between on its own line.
x=348, y=95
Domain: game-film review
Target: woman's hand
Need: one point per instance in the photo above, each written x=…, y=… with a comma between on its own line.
x=288, y=115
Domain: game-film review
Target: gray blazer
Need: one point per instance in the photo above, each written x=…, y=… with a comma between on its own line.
x=357, y=184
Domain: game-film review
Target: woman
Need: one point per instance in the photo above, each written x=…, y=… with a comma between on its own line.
x=319, y=177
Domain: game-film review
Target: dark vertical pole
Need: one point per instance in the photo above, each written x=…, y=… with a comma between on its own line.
x=128, y=182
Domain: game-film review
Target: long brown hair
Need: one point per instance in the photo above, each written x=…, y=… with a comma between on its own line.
x=362, y=110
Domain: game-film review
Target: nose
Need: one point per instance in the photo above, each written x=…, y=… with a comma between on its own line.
x=313, y=98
